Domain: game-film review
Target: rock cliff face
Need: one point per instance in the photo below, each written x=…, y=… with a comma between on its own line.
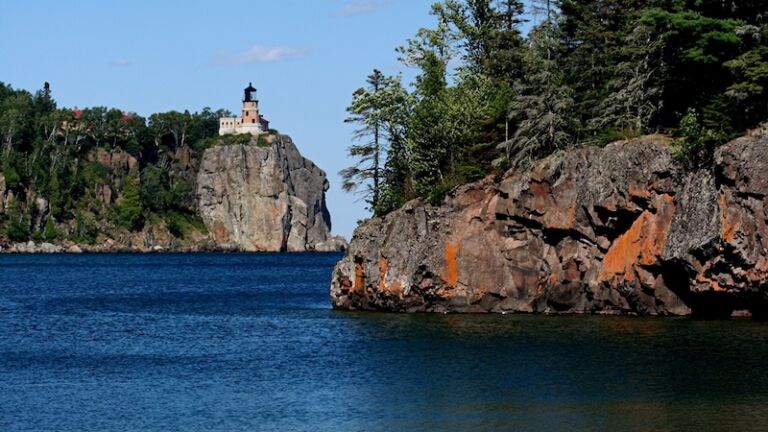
x=264, y=198
x=614, y=230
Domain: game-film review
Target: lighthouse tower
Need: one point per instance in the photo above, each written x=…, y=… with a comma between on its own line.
x=250, y=120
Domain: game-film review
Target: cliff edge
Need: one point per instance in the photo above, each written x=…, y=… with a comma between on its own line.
x=616, y=230
x=264, y=198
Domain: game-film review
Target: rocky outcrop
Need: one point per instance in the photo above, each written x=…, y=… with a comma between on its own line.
x=616, y=230
x=263, y=198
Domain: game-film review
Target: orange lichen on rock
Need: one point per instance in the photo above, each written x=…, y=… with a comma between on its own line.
x=713, y=284
x=634, y=190
x=359, y=278
x=728, y=228
x=451, y=264
x=383, y=267
x=642, y=244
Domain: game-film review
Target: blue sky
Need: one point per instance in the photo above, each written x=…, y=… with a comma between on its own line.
x=306, y=57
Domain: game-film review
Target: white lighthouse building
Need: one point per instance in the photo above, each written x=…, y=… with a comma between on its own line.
x=250, y=121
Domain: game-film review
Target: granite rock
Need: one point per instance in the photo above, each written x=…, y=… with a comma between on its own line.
x=263, y=198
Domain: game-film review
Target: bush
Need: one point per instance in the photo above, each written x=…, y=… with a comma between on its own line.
x=94, y=172
x=11, y=173
x=180, y=224
x=262, y=141
x=236, y=139
x=205, y=143
x=86, y=229
x=696, y=144
x=17, y=230
x=438, y=193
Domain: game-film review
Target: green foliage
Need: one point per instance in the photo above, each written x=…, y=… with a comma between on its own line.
x=154, y=190
x=241, y=138
x=128, y=209
x=262, y=141
x=17, y=228
x=437, y=193
x=182, y=224
x=543, y=108
x=11, y=171
x=94, y=172
x=86, y=230
x=588, y=72
x=378, y=110
x=696, y=144
x=49, y=232
x=78, y=160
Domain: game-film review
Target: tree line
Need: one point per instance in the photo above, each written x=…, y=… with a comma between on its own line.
x=49, y=159
x=500, y=83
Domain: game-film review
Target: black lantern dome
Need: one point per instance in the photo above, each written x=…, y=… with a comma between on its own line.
x=250, y=93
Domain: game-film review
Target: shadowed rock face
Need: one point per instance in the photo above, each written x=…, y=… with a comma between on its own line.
x=614, y=230
x=254, y=198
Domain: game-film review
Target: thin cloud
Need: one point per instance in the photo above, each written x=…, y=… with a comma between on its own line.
x=120, y=62
x=359, y=7
x=257, y=54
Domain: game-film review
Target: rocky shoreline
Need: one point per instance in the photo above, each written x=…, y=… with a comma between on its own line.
x=336, y=244
x=622, y=229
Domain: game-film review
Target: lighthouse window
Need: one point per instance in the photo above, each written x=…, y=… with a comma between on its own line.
x=253, y=121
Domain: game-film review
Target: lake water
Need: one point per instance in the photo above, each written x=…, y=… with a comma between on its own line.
x=249, y=343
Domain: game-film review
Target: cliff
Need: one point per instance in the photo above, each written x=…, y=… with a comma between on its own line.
x=236, y=195
x=616, y=230
x=264, y=198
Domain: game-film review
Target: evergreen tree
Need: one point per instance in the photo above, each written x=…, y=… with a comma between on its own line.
x=635, y=97
x=375, y=109
x=695, y=49
x=488, y=33
x=594, y=33
x=749, y=91
x=49, y=232
x=17, y=228
x=427, y=132
x=544, y=108
x=128, y=208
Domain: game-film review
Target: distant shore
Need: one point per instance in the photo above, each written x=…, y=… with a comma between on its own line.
x=31, y=247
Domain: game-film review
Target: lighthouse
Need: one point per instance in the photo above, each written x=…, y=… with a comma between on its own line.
x=250, y=121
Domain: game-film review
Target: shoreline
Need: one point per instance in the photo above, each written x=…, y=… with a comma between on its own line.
x=45, y=248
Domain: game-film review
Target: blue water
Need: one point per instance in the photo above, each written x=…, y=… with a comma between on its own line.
x=249, y=343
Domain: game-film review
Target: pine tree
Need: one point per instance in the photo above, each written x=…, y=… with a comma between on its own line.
x=487, y=31
x=750, y=90
x=543, y=109
x=49, y=232
x=635, y=95
x=376, y=109
x=128, y=207
x=594, y=32
x=427, y=132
